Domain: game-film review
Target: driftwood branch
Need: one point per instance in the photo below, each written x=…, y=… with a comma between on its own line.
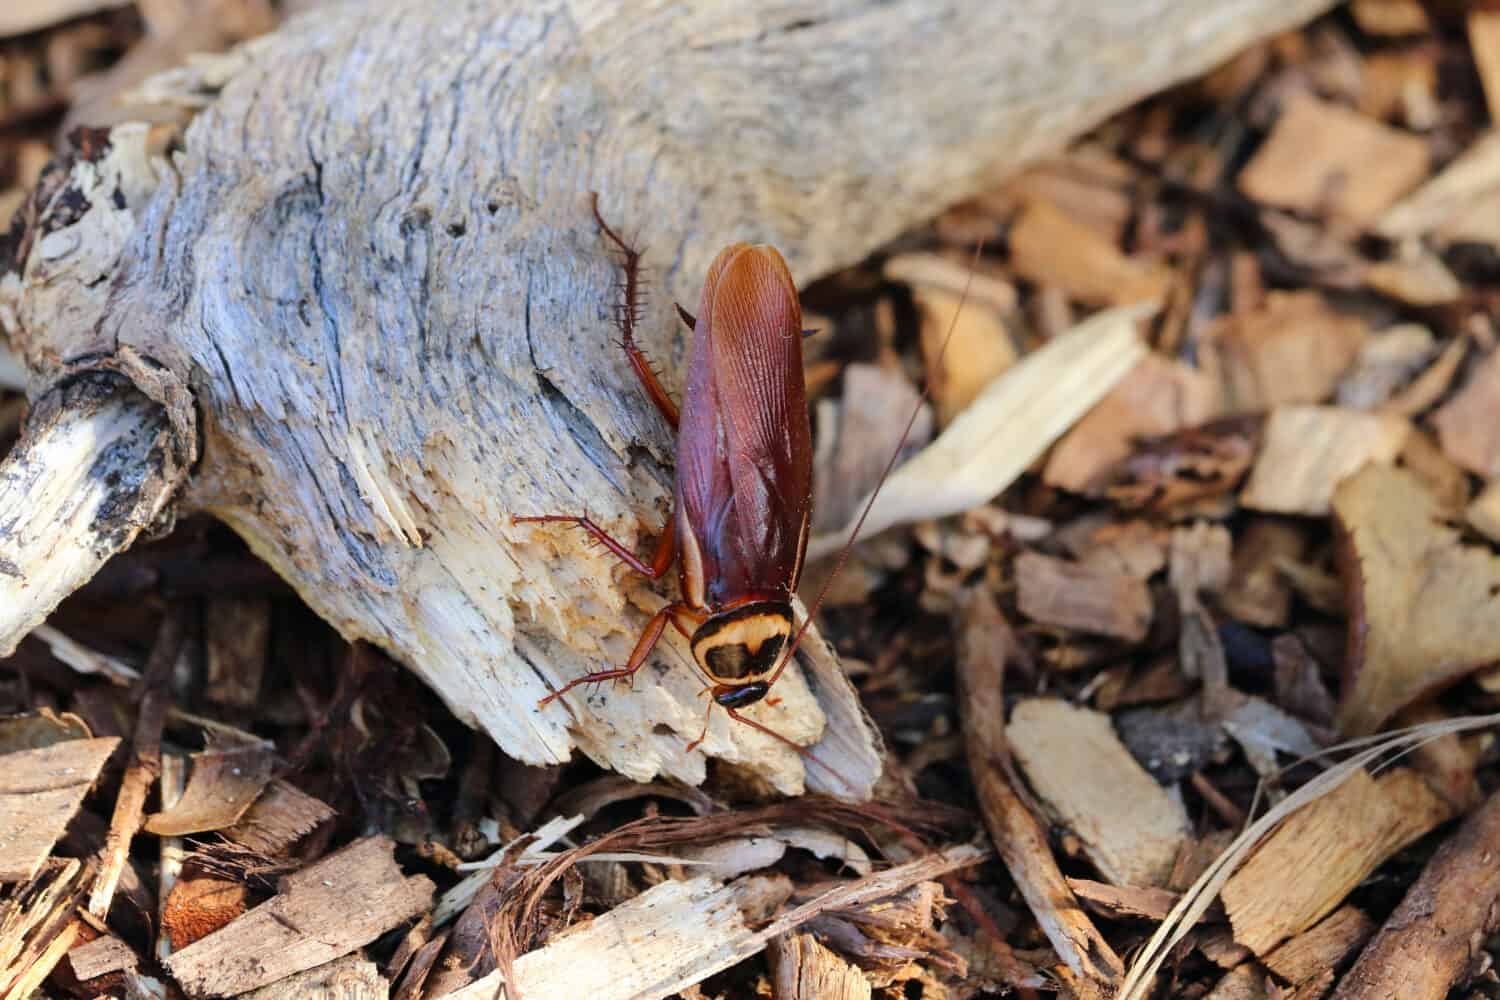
x=96, y=467
x=370, y=286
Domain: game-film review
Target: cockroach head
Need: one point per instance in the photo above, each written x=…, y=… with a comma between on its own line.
x=739, y=648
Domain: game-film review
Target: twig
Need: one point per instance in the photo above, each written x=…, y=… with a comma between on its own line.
x=145, y=761
x=1018, y=836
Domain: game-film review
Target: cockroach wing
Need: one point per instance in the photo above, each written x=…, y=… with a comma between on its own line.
x=744, y=473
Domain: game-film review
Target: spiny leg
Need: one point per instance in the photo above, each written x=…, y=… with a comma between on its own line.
x=629, y=312
x=638, y=656
x=661, y=557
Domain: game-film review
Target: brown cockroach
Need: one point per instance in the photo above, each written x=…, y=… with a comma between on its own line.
x=742, y=500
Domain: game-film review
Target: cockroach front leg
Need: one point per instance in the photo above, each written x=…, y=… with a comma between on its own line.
x=638, y=656
x=629, y=311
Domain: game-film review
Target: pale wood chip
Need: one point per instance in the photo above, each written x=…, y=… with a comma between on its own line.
x=1386, y=361
x=802, y=969
x=1423, y=606
x=1130, y=827
x=1057, y=592
x=1419, y=278
x=1448, y=484
x=40, y=790
x=1429, y=386
x=1484, y=41
x=978, y=348
x=1390, y=17
x=1308, y=450
x=347, y=978
x=281, y=816
x=1159, y=396
x=933, y=271
x=1048, y=247
x=1468, y=425
x=323, y=912
x=1483, y=514
x=1456, y=204
x=1294, y=348
x=38, y=926
x=1324, y=158
x=1303, y=870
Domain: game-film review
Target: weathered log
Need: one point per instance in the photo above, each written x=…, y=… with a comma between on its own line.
x=369, y=285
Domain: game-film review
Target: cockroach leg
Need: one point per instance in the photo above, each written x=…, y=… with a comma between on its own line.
x=638, y=656
x=702, y=733
x=628, y=313
x=661, y=557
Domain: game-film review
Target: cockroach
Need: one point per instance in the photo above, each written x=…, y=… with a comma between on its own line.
x=742, y=499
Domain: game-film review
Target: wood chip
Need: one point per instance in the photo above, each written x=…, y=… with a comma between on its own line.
x=1321, y=947
x=1157, y=397
x=1292, y=349
x=1468, y=425
x=281, y=816
x=1115, y=902
x=1483, y=514
x=1484, y=42
x=1130, y=827
x=224, y=782
x=1386, y=361
x=1308, y=450
x=979, y=348
x=1324, y=158
x=1057, y=592
x=1049, y=248
x=347, y=978
x=1438, y=474
x=1424, y=608
x=1452, y=206
x=1430, y=943
x=1198, y=466
x=101, y=956
x=323, y=912
x=1304, y=869
x=1390, y=17
x=1418, y=278
x=34, y=15
x=934, y=271
x=40, y=790
x=802, y=969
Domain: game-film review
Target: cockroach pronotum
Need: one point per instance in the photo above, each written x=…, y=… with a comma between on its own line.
x=742, y=500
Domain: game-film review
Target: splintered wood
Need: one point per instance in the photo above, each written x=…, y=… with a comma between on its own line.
x=1423, y=605
x=282, y=815
x=1303, y=871
x=1130, y=827
x=320, y=913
